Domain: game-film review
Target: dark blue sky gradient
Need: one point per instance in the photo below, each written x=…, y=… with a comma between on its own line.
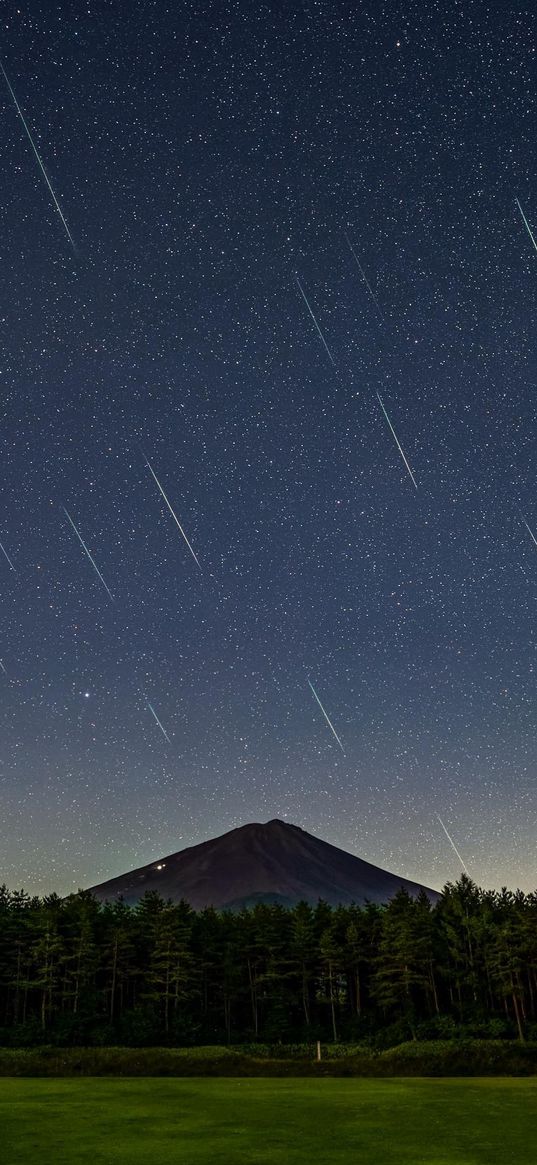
x=203, y=157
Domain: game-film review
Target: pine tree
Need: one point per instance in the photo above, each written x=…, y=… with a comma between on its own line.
x=331, y=961
x=170, y=980
x=401, y=965
x=302, y=952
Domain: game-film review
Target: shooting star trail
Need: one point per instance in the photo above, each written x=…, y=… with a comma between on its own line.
x=173, y=514
x=162, y=729
x=42, y=168
x=86, y=551
x=3, y=668
x=526, y=224
x=364, y=277
x=305, y=298
x=4, y=551
x=452, y=843
x=394, y=434
x=327, y=718
x=530, y=532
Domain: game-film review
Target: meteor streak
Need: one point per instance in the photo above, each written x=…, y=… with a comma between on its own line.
x=173, y=514
x=305, y=298
x=530, y=532
x=162, y=729
x=3, y=668
x=364, y=277
x=394, y=434
x=4, y=551
x=86, y=551
x=526, y=224
x=327, y=718
x=42, y=168
x=452, y=843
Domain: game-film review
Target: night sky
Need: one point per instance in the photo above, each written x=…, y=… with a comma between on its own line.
x=218, y=167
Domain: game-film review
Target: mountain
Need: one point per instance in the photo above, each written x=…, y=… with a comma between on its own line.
x=275, y=862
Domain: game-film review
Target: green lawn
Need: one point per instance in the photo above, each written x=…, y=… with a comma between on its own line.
x=110, y=1121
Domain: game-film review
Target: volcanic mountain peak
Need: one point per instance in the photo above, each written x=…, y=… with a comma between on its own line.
x=260, y=862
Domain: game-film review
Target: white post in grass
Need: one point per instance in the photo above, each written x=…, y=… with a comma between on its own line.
x=318, y=1049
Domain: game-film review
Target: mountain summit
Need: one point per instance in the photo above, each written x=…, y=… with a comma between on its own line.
x=275, y=862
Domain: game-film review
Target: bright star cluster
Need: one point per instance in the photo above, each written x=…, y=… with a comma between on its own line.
x=268, y=432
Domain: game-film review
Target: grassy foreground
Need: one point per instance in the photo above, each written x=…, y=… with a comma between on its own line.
x=268, y=1122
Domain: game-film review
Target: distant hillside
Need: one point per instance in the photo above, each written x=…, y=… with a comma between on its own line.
x=275, y=862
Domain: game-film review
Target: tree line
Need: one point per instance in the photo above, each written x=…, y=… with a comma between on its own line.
x=77, y=972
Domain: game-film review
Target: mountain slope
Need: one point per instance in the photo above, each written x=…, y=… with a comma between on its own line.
x=275, y=862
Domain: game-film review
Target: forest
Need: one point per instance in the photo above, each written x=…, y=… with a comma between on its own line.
x=74, y=972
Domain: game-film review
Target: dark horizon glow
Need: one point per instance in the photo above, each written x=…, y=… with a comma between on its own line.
x=222, y=168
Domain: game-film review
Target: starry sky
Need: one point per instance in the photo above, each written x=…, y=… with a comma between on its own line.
x=261, y=219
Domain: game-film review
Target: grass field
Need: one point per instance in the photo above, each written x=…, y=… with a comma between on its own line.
x=268, y=1122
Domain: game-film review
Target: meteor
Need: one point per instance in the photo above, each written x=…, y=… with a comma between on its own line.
x=42, y=168
x=530, y=532
x=526, y=224
x=4, y=551
x=173, y=514
x=86, y=551
x=452, y=843
x=394, y=434
x=162, y=729
x=363, y=274
x=3, y=668
x=305, y=298
x=327, y=718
